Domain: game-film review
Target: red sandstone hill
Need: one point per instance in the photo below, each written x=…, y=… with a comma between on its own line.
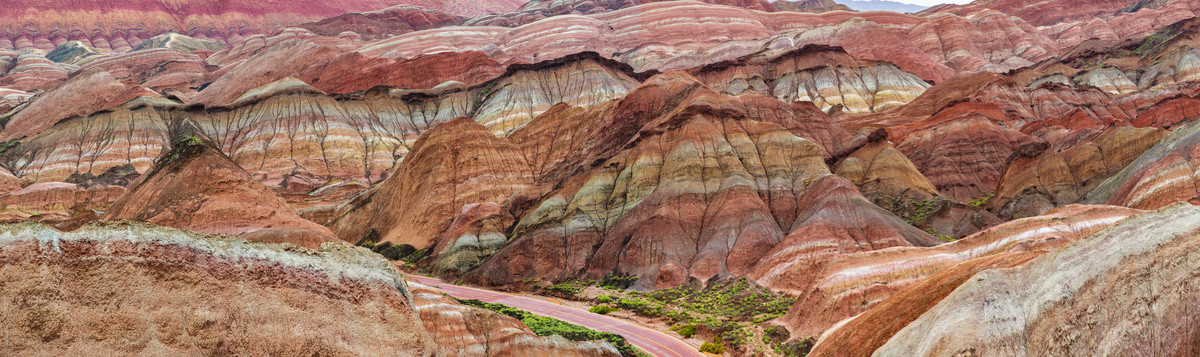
x=120, y=25
x=913, y=181
x=196, y=187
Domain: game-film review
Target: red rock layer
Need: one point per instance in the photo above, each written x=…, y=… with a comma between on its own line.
x=382, y=23
x=861, y=335
x=1099, y=291
x=840, y=287
x=119, y=288
x=196, y=187
x=456, y=163
x=118, y=26
x=1039, y=177
x=1163, y=175
x=649, y=191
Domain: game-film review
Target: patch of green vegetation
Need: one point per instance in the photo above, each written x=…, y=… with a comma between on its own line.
x=981, y=199
x=1152, y=42
x=685, y=330
x=9, y=145
x=571, y=287
x=403, y=252
x=602, y=309
x=734, y=299
x=798, y=348
x=713, y=346
x=617, y=282
x=937, y=235
x=545, y=326
x=605, y=299
x=914, y=212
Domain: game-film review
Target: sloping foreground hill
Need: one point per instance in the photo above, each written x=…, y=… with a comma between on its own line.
x=132, y=288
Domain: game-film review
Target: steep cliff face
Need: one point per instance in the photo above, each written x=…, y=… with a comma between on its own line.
x=1097, y=291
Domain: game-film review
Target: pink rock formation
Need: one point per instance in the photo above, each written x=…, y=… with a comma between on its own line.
x=456, y=163
x=843, y=286
x=1095, y=290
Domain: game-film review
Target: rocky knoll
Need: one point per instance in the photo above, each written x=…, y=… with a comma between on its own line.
x=196, y=187
x=115, y=288
x=1126, y=290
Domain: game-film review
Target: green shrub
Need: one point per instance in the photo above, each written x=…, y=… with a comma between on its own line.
x=686, y=331
x=571, y=287
x=981, y=200
x=713, y=346
x=617, y=282
x=604, y=299
x=397, y=251
x=796, y=348
x=602, y=309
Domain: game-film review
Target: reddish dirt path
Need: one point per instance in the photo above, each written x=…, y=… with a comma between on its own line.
x=651, y=341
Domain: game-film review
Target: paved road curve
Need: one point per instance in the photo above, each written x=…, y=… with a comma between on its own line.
x=651, y=341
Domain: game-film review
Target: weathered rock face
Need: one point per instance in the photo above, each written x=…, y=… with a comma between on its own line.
x=196, y=187
x=1039, y=177
x=116, y=288
x=383, y=23
x=456, y=163
x=657, y=179
x=1159, y=177
x=71, y=52
x=878, y=169
x=826, y=76
x=178, y=42
x=478, y=231
x=1095, y=290
x=817, y=6
x=840, y=287
x=469, y=331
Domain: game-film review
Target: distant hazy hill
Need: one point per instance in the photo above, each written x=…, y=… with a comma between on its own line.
x=880, y=5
